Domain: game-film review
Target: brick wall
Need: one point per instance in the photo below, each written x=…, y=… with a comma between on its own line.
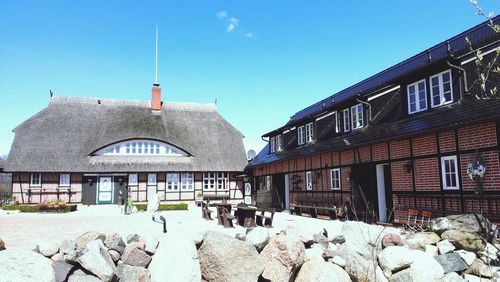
x=477, y=136
x=447, y=141
x=426, y=174
x=400, y=148
x=424, y=145
x=380, y=151
x=401, y=180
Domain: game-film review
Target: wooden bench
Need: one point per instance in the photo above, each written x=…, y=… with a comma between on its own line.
x=206, y=213
x=310, y=205
x=215, y=197
x=227, y=218
x=265, y=218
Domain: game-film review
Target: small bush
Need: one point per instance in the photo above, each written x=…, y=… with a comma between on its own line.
x=163, y=207
x=35, y=208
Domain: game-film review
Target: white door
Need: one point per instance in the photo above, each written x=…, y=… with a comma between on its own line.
x=105, y=191
x=382, y=213
x=287, y=193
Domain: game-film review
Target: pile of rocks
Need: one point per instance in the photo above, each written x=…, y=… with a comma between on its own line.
x=92, y=256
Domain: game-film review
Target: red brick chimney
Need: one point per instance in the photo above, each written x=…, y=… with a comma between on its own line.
x=156, y=97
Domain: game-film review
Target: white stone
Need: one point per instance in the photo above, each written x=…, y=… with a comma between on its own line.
x=316, y=270
x=21, y=265
x=452, y=277
x=431, y=250
x=394, y=258
x=468, y=257
x=47, y=248
x=151, y=244
x=313, y=254
x=97, y=260
x=359, y=268
x=445, y=247
x=176, y=259
x=259, y=237
x=474, y=278
x=281, y=257
x=338, y=261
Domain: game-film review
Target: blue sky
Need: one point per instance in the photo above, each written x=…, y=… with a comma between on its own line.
x=261, y=60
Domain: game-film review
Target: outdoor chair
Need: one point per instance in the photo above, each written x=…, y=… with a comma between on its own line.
x=424, y=220
x=411, y=220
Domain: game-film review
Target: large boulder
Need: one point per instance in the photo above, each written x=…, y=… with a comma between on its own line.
x=474, y=278
x=21, y=265
x=97, y=260
x=150, y=244
x=80, y=276
x=282, y=256
x=465, y=240
x=87, y=237
x=2, y=245
x=176, y=259
x=128, y=273
x=359, y=268
x=451, y=262
x=258, y=236
x=468, y=257
x=479, y=268
x=395, y=258
x=445, y=247
x=419, y=240
x=439, y=225
x=365, y=239
x=67, y=246
x=224, y=258
x=135, y=255
x=473, y=223
x=115, y=242
x=303, y=233
x=321, y=271
x=423, y=268
x=47, y=248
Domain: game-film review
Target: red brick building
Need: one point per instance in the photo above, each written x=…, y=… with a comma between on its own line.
x=403, y=138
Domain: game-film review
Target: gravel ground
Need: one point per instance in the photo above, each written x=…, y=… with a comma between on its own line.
x=23, y=230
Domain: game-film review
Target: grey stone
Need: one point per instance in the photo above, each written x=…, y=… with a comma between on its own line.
x=80, y=276
x=282, y=256
x=423, y=268
x=490, y=254
x=223, y=258
x=96, y=260
x=62, y=270
x=465, y=240
x=135, y=255
x=240, y=236
x=365, y=239
x=338, y=239
x=128, y=273
x=451, y=262
x=318, y=270
x=176, y=259
x=115, y=242
x=445, y=247
x=57, y=257
x=259, y=237
x=131, y=238
x=21, y=265
x=87, y=237
x=47, y=248
x=473, y=223
x=321, y=239
x=439, y=225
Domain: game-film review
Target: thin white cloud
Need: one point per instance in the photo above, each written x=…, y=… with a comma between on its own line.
x=221, y=14
x=233, y=23
x=249, y=34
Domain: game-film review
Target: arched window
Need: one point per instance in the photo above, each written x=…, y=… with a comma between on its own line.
x=141, y=147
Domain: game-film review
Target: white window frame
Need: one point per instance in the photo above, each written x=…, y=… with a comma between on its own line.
x=441, y=89
x=222, y=182
x=172, y=181
x=355, y=112
x=334, y=179
x=133, y=179
x=187, y=181
x=268, y=183
x=208, y=181
x=64, y=179
x=417, y=96
x=301, y=133
x=444, y=173
x=309, y=180
x=346, y=120
x=310, y=132
x=337, y=124
x=279, y=142
x=151, y=178
x=33, y=182
x=272, y=144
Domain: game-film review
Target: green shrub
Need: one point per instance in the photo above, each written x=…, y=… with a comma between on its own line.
x=163, y=207
x=34, y=208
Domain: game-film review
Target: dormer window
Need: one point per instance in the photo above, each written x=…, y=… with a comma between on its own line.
x=301, y=135
x=417, y=97
x=141, y=147
x=347, y=120
x=272, y=144
x=357, y=116
x=275, y=144
x=279, y=142
x=309, y=132
x=441, y=90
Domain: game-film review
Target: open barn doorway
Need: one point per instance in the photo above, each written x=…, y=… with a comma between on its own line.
x=364, y=197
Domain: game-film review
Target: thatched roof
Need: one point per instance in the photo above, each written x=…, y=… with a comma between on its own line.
x=63, y=136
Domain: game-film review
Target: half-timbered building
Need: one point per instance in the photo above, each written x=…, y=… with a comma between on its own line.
x=422, y=134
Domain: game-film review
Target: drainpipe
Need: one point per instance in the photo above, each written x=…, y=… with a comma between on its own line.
x=369, y=108
x=466, y=90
